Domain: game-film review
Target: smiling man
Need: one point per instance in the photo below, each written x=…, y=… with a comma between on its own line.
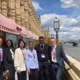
x=57, y=55
x=42, y=52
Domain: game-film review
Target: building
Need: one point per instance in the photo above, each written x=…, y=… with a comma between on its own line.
x=45, y=32
x=23, y=13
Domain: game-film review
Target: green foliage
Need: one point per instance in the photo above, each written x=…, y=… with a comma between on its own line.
x=46, y=40
x=35, y=43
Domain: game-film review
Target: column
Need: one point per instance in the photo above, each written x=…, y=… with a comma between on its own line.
x=26, y=15
x=12, y=9
x=0, y=5
x=18, y=12
x=4, y=7
x=22, y=14
x=39, y=22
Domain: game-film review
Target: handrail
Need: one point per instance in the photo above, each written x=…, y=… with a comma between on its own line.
x=72, y=72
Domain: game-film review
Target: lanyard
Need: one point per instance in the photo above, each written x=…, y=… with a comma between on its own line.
x=33, y=54
x=23, y=54
x=12, y=53
x=54, y=52
x=42, y=48
x=11, y=50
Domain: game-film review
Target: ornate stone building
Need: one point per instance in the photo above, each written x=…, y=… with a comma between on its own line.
x=23, y=13
x=45, y=32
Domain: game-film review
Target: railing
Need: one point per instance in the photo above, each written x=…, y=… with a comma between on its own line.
x=71, y=72
x=68, y=72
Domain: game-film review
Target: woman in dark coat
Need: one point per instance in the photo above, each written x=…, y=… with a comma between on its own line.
x=9, y=59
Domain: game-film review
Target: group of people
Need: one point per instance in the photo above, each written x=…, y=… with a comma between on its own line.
x=34, y=61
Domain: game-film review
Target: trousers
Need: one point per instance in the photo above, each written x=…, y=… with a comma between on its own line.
x=34, y=74
x=57, y=71
x=1, y=72
x=22, y=75
x=44, y=70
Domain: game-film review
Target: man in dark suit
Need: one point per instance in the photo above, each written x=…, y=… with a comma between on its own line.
x=42, y=53
x=57, y=55
x=1, y=59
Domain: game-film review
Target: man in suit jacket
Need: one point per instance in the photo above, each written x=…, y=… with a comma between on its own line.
x=57, y=55
x=42, y=53
x=1, y=59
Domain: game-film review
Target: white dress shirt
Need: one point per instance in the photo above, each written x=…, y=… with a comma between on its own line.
x=53, y=50
x=1, y=53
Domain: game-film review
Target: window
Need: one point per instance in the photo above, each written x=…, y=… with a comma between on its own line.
x=14, y=38
x=28, y=43
x=25, y=40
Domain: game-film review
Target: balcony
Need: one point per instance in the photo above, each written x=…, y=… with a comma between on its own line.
x=68, y=72
x=71, y=72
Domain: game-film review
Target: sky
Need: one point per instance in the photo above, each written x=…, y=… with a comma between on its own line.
x=67, y=12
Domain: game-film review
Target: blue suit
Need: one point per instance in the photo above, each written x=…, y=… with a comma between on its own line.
x=57, y=67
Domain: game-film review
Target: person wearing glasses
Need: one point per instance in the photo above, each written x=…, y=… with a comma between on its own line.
x=57, y=55
x=42, y=53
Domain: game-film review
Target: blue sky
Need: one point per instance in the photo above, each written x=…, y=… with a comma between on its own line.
x=68, y=13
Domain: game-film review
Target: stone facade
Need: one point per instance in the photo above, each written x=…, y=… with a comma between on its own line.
x=45, y=32
x=23, y=13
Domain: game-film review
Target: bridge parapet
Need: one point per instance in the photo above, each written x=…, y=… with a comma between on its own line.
x=70, y=41
x=71, y=72
x=74, y=42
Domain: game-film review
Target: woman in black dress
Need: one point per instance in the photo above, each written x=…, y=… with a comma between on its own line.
x=9, y=59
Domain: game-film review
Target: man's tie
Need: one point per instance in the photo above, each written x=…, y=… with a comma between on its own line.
x=41, y=45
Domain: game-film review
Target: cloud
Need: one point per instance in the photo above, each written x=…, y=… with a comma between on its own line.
x=70, y=33
x=70, y=4
x=47, y=20
x=36, y=5
x=68, y=26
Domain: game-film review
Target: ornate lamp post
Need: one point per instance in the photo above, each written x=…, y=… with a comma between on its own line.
x=56, y=27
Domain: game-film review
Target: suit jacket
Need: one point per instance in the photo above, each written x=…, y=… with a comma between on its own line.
x=60, y=55
x=7, y=57
x=0, y=56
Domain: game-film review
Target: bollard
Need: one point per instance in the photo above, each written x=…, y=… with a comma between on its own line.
x=73, y=56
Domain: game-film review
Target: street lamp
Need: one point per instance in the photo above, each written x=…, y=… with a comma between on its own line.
x=56, y=27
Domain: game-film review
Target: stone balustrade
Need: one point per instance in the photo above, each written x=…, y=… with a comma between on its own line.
x=71, y=72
